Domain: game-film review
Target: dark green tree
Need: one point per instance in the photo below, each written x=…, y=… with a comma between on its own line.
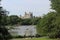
x=13, y=20
x=34, y=21
x=25, y=22
x=45, y=24
x=4, y=34
x=56, y=6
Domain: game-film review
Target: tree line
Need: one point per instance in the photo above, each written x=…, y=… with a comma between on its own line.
x=16, y=20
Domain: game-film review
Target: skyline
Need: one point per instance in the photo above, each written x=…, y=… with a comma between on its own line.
x=18, y=7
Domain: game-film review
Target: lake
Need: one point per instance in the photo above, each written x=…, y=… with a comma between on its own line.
x=23, y=30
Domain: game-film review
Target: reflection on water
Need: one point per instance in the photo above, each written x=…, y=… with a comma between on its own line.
x=23, y=30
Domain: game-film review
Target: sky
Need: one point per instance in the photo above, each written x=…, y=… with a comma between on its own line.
x=19, y=7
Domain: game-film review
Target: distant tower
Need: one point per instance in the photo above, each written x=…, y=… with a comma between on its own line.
x=27, y=15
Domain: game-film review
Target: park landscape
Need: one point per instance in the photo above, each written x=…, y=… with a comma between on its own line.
x=46, y=27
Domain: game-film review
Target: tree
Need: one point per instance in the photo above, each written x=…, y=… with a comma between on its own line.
x=45, y=25
x=34, y=21
x=13, y=20
x=55, y=5
x=25, y=22
x=49, y=25
x=4, y=34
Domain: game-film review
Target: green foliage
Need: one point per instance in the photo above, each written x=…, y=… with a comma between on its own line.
x=12, y=20
x=45, y=24
x=49, y=25
x=4, y=34
x=35, y=20
x=55, y=5
x=56, y=30
x=15, y=20
x=31, y=21
x=25, y=22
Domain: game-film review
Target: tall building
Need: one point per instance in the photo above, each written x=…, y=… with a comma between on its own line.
x=27, y=15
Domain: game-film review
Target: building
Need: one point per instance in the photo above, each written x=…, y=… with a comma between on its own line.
x=27, y=15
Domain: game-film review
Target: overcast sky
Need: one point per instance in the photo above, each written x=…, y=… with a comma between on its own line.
x=18, y=7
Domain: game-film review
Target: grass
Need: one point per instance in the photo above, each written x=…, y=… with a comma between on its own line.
x=42, y=38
